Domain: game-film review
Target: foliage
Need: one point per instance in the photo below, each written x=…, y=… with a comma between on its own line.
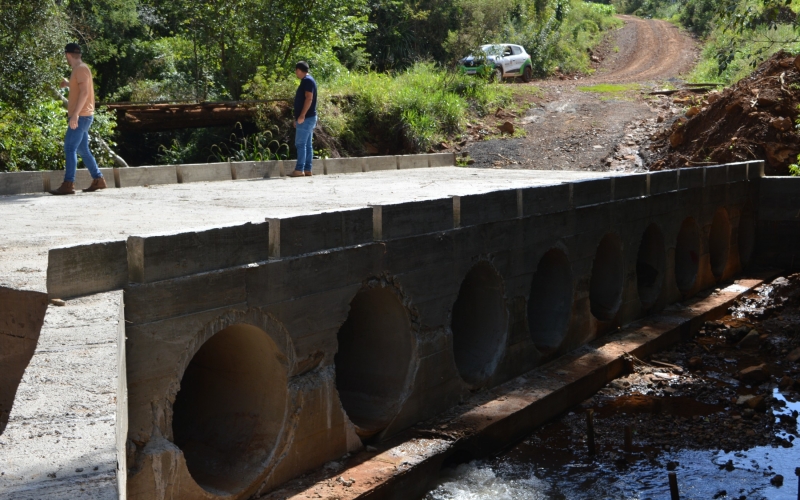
x=257, y=147
x=32, y=139
x=32, y=38
x=410, y=111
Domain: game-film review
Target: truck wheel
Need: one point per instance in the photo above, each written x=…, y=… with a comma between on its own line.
x=527, y=74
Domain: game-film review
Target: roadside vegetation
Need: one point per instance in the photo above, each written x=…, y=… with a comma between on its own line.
x=737, y=35
x=387, y=69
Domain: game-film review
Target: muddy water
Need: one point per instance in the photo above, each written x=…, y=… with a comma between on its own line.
x=688, y=413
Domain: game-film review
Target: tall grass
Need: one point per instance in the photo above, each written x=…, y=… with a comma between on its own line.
x=409, y=111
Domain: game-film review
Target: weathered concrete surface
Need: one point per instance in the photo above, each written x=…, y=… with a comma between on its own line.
x=60, y=441
x=778, y=234
x=21, y=319
x=335, y=166
x=86, y=269
x=491, y=420
x=204, y=172
x=159, y=257
x=145, y=176
x=115, y=214
x=412, y=161
x=21, y=182
x=379, y=163
x=257, y=170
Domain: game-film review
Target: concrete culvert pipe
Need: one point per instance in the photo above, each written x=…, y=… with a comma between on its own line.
x=373, y=360
x=687, y=255
x=479, y=324
x=651, y=261
x=605, y=287
x=719, y=242
x=550, y=302
x=746, y=235
x=230, y=409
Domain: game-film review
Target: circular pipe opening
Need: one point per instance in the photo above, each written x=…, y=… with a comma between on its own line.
x=550, y=303
x=605, y=287
x=719, y=242
x=650, y=264
x=687, y=255
x=373, y=360
x=747, y=235
x=479, y=324
x=229, y=412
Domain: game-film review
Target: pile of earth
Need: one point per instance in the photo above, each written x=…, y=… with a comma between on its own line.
x=754, y=119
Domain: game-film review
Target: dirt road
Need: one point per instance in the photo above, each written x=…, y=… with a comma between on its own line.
x=571, y=127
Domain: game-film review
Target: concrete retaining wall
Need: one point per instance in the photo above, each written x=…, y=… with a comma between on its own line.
x=385, y=297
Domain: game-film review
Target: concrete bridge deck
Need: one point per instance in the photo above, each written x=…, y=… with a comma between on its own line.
x=33, y=224
x=272, y=326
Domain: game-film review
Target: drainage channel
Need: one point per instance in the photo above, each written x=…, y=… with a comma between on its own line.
x=719, y=412
x=405, y=466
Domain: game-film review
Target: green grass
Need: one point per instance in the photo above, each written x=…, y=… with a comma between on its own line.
x=608, y=88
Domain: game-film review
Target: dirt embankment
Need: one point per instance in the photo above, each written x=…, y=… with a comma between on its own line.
x=754, y=119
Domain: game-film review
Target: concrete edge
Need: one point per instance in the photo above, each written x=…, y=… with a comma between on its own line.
x=495, y=419
x=79, y=270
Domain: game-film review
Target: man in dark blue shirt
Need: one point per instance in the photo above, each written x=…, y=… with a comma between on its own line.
x=305, y=119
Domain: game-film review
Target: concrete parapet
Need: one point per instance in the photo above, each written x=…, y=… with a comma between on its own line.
x=631, y=186
x=313, y=233
x=737, y=172
x=477, y=209
x=154, y=258
x=755, y=170
x=21, y=182
x=344, y=165
x=86, y=269
x=546, y=199
x=778, y=226
x=412, y=161
x=83, y=178
x=442, y=159
x=663, y=182
x=145, y=176
x=690, y=178
x=716, y=175
x=591, y=192
x=377, y=163
x=411, y=219
x=256, y=170
x=204, y=172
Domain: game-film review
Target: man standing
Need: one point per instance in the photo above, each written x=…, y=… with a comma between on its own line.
x=80, y=113
x=305, y=119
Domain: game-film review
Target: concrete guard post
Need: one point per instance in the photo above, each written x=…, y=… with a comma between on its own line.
x=145, y=176
x=86, y=269
x=204, y=172
x=156, y=258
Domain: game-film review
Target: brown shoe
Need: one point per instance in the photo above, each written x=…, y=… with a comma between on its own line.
x=309, y=174
x=297, y=173
x=96, y=184
x=65, y=188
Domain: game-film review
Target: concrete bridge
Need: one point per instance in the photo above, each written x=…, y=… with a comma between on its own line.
x=271, y=327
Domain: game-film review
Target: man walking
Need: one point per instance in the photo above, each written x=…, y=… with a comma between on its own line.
x=80, y=113
x=305, y=119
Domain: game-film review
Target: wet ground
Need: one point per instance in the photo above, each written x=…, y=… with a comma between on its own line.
x=719, y=410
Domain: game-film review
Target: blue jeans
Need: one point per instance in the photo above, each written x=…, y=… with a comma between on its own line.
x=76, y=142
x=302, y=139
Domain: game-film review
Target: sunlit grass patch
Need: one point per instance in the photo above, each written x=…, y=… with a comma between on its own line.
x=608, y=88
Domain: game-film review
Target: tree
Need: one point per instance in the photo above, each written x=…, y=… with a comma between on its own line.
x=32, y=38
